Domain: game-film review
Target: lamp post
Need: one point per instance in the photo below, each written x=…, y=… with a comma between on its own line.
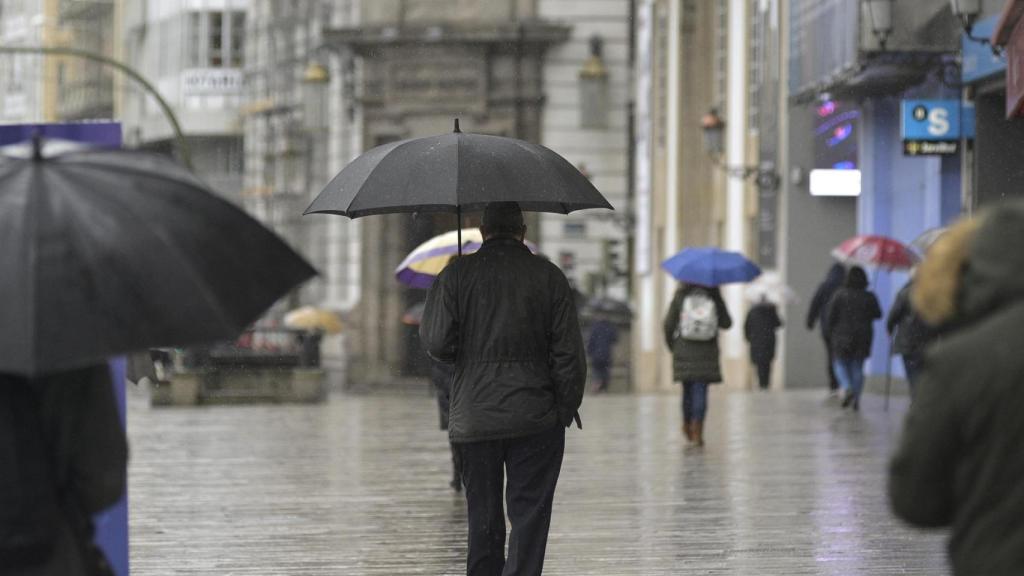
x=714, y=133
x=594, y=88
x=714, y=143
x=880, y=16
x=967, y=12
x=315, y=80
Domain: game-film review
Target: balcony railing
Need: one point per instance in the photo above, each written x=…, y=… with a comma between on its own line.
x=92, y=99
x=85, y=9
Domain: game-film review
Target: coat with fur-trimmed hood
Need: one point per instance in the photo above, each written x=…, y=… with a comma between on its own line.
x=960, y=461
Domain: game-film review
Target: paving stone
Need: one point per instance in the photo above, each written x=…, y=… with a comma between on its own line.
x=787, y=484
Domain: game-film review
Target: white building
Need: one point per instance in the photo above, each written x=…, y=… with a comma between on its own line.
x=21, y=77
x=586, y=119
x=292, y=149
x=193, y=51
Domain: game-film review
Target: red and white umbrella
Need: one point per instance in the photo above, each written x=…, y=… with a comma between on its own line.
x=876, y=251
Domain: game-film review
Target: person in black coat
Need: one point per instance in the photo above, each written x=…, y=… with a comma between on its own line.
x=762, y=322
x=910, y=334
x=507, y=321
x=818, y=314
x=600, y=346
x=49, y=499
x=851, y=312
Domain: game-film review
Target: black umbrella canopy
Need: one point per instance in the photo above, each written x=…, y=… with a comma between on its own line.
x=457, y=171
x=103, y=252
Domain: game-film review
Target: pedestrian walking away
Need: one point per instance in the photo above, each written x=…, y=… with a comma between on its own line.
x=959, y=463
x=759, y=329
x=64, y=455
x=849, y=319
x=600, y=344
x=694, y=318
x=818, y=314
x=507, y=321
x=910, y=335
x=441, y=375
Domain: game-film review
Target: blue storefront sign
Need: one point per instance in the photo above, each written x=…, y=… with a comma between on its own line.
x=112, y=524
x=935, y=127
x=979, y=62
x=936, y=120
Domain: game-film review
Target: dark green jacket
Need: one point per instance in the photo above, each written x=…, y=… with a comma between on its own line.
x=961, y=460
x=507, y=319
x=694, y=360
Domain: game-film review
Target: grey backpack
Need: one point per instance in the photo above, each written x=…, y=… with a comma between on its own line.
x=698, y=317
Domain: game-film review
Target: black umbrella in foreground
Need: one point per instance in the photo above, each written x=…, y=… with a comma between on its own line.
x=104, y=252
x=457, y=172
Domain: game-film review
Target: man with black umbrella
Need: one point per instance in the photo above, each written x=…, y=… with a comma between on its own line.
x=507, y=320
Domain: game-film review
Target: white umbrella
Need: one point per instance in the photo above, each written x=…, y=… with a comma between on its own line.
x=770, y=286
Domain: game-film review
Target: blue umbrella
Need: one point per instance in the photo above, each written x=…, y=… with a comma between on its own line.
x=710, y=267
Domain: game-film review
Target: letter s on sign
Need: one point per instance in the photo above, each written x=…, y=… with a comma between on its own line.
x=938, y=122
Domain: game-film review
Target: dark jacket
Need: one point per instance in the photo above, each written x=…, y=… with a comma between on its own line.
x=849, y=318
x=960, y=461
x=818, y=312
x=911, y=333
x=507, y=319
x=601, y=341
x=441, y=374
x=695, y=360
x=81, y=423
x=762, y=322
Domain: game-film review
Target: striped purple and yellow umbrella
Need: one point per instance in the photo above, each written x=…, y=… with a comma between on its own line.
x=425, y=263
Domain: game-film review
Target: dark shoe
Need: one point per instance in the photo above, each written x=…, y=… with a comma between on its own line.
x=456, y=484
x=847, y=400
x=856, y=404
x=698, y=432
x=688, y=431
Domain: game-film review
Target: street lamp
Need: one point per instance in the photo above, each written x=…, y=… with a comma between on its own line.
x=967, y=11
x=594, y=88
x=880, y=14
x=315, y=79
x=714, y=131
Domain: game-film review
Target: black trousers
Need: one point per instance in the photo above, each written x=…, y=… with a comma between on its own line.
x=532, y=464
x=764, y=374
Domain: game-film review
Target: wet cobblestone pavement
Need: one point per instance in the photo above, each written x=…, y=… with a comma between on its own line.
x=787, y=485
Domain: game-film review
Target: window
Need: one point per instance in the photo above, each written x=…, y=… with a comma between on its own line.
x=755, y=65
x=194, y=34
x=574, y=229
x=237, y=45
x=216, y=39
x=721, y=52
x=215, y=36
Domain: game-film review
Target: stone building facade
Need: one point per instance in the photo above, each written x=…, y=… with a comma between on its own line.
x=424, y=63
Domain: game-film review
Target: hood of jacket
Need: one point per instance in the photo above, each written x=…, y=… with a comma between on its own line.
x=974, y=269
x=856, y=279
x=836, y=275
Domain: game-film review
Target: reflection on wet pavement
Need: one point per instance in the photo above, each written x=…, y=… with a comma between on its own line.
x=786, y=485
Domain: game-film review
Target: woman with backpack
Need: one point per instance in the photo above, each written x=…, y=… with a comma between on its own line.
x=691, y=327
x=851, y=312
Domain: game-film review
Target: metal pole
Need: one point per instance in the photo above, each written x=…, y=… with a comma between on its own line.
x=458, y=226
x=186, y=156
x=888, y=373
